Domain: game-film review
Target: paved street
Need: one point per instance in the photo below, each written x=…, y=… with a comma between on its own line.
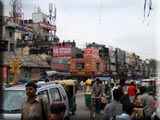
x=82, y=113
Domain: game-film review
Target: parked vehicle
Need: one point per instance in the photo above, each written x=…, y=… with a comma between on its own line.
x=14, y=96
x=70, y=87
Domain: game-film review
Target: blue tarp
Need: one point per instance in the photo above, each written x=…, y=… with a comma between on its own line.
x=108, y=79
x=24, y=80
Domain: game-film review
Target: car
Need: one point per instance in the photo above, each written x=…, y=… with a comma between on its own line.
x=15, y=95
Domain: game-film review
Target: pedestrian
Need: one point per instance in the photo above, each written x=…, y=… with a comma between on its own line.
x=147, y=102
x=34, y=108
x=132, y=92
x=82, y=83
x=57, y=111
x=97, y=91
x=123, y=88
x=112, y=88
x=115, y=107
x=127, y=111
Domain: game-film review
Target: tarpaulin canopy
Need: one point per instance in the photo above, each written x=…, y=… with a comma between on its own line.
x=107, y=79
x=24, y=80
x=53, y=72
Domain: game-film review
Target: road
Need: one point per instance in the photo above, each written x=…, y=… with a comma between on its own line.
x=82, y=113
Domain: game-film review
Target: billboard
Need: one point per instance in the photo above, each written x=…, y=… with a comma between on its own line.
x=62, y=52
x=91, y=53
x=60, y=64
x=47, y=26
x=120, y=55
x=3, y=73
x=112, y=56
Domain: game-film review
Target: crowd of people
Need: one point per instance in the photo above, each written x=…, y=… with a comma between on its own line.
x=121, y=105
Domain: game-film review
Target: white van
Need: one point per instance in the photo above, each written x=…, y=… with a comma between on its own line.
x=14, y=96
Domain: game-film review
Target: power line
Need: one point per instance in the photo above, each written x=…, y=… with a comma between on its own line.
x=100, y=13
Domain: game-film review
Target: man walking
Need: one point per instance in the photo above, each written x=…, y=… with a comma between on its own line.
x=132, y=92
x=115, y=107
x=34, y=108
x=147, y=103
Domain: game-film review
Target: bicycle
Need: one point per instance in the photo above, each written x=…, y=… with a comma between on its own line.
x=93, y=107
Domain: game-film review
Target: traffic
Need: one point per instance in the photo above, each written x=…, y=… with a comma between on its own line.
x=65, y=91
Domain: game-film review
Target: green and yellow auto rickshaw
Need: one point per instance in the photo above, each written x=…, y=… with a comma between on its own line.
x=88, y=92
x=150, y=86
x=70, y=87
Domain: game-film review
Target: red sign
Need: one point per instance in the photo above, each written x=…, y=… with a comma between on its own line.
x=47, y=26
x=62, y=52
x=91, y=53
x=60, y=67
x=4, y=73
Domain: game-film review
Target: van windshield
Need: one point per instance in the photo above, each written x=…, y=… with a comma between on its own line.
x=12, y=100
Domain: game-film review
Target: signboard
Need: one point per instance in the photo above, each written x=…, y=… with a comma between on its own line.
x=60, y=64
x=60, y=67
x=62, y=52
x=113, y=67
x=112, y=56
x=91, y=53
x=4, y=73
x=120, y=55
x=47, y=26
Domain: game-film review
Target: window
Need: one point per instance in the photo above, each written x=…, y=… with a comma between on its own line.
x=98, y=66
x=55, y=94
x=12, y=100
x=44, y=95
x=80, y=66
x=63, y=93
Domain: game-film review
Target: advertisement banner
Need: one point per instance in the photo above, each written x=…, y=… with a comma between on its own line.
x=91, y=53
x=62, y=52
x=112, y=56
x=60, y=64
x=47, y=26
x=120, y=55
x=3, y=74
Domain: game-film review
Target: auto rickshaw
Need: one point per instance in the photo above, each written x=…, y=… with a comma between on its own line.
x=70, y=87
x=150, y=86
x=88, y=92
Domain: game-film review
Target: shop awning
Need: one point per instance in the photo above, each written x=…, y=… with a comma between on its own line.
x=51, y=72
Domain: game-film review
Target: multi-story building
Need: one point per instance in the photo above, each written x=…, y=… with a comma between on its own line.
x=44, y=32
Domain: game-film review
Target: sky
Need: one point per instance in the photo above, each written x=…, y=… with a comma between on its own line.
x=116, y=23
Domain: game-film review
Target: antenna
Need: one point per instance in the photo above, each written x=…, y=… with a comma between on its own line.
x=100, y=13
x=52, y=18
x=16, y=13
x=50, y=11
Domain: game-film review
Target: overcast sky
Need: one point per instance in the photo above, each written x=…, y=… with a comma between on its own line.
x=117, y=23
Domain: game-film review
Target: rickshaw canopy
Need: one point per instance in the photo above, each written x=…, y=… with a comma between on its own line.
x=88, y=82
x=66, y=82
x=70, y=87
